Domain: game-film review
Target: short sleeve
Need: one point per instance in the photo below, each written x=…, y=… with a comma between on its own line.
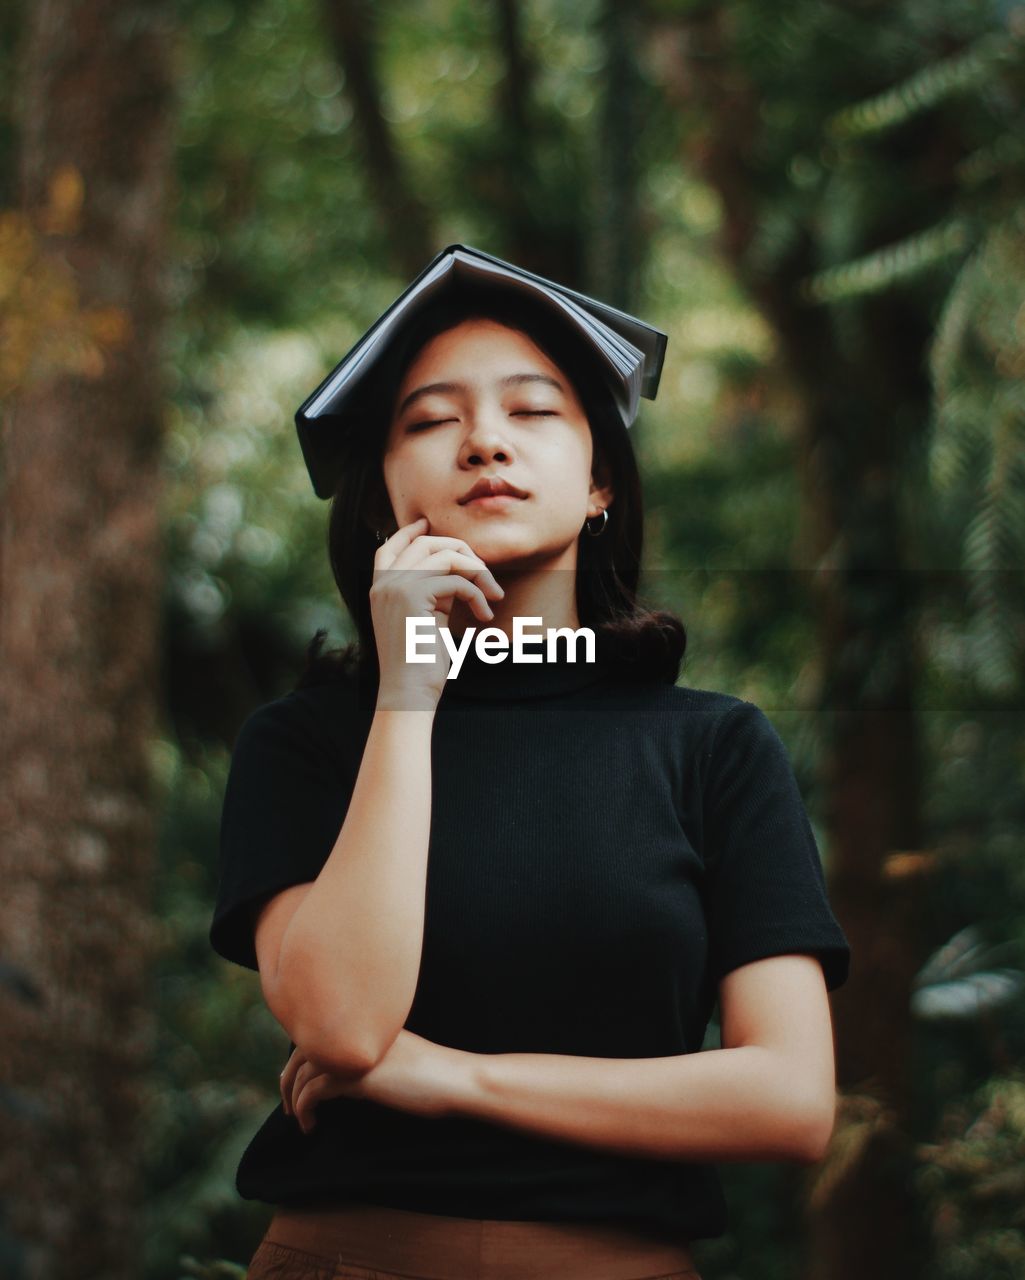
x=766, y=892
x=285, y=800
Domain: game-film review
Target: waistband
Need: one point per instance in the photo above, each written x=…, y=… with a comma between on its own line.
x=432, y=1246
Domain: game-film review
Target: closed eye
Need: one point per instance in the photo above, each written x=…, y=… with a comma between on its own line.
x=432, y=422
x=516, y=413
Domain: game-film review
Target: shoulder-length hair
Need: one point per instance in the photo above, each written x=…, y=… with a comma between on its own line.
x=638, y=643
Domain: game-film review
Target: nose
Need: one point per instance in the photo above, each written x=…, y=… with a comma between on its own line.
x=487, y=439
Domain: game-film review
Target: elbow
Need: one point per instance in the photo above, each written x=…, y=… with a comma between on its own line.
x=813, y=1131
x=323, y=1037
x=333, y=1049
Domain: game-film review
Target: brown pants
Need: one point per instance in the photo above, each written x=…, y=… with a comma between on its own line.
x=374, y=1242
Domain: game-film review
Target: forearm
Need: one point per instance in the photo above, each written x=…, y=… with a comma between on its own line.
x=719, y=1104
x=350, y=956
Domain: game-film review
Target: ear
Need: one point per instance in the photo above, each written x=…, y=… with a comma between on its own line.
x=601, y=493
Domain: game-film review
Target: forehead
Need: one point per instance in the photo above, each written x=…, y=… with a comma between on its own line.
x=478, y=342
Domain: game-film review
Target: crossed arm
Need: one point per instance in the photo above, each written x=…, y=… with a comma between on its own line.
x=769, y=1093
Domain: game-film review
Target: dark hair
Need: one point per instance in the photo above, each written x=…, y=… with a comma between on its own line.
x=639, y=643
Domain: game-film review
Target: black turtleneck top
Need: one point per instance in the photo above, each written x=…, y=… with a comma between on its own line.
x=601, y=854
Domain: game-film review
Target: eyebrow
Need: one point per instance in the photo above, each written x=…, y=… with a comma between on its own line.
x=514, y=379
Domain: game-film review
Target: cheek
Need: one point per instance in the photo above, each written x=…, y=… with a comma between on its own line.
x=412, y=482
x=569, y=465
x=403, y=471
x=574, y=442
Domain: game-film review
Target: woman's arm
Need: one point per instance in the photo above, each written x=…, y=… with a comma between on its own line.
x=340, y=974
x=340, y=959
x=721, y=1104
x=768, y=1094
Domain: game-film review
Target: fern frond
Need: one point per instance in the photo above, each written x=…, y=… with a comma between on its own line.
x=960, y=444
x=955, y=320
x=1002, y=154
x=891, y=265
x=963, y=72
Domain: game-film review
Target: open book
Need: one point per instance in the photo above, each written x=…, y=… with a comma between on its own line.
x=633, y=351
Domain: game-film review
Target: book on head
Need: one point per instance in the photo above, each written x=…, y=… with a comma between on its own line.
x=633, y=352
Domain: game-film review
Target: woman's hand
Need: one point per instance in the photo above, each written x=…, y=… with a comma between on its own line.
x=415, y=1075
x=417, y=574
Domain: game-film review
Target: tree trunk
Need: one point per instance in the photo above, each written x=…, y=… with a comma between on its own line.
x=615, y=249
x=80, y=606
x=351, y=26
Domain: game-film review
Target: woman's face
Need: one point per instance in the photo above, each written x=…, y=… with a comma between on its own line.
x=482, y=400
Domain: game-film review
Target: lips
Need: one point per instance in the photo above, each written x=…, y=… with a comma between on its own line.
x=491, y=487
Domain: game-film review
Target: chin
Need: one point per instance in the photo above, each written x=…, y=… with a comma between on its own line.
x=523, y=555
x=498, y=550
x=500, y=542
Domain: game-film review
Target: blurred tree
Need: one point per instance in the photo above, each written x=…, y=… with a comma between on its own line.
x=404, y=217
x=615, y=243
x=976, y=444
x=81, y=573
x=768, y=96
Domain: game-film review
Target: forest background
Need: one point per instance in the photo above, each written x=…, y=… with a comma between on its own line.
x=202, y=205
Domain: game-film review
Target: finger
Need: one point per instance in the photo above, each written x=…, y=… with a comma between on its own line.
x=308, y=1071
x=444, y=560
x=287, y=1080
x=475, y=568
x=302, y=1077
x=397, y=542
x=306, y=1101
x=417, y=548
x=454, y=585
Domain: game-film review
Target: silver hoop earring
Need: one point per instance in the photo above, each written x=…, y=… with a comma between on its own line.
x=596, y=533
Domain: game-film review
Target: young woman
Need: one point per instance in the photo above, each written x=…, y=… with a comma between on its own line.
x=494, y=913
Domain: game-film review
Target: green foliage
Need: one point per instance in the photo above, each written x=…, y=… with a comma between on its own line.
x=976, y=458
x=974, y=1181
x=967, y=72
x=271, y=197
x=219, y=1049
x=888, y=267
